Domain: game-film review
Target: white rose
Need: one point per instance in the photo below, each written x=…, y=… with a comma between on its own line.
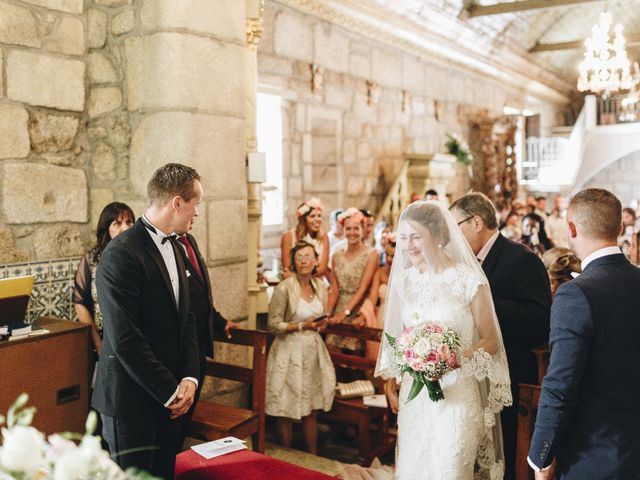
x=422, y=347
x=72, y=465
x=22, y=450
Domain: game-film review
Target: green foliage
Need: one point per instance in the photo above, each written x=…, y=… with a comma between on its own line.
x=459, y=150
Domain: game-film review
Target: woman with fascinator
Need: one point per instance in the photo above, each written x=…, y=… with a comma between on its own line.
x=436, y=279
x=308, y=229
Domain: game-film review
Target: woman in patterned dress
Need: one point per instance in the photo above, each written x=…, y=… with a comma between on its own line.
x=114, y=219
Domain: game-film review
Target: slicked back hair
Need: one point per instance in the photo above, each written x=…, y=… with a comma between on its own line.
x=170, y=180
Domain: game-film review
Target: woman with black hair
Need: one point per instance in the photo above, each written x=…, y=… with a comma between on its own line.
x=114, y=219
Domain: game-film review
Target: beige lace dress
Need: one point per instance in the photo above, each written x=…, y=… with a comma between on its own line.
x=300, y=374
x=349, y=273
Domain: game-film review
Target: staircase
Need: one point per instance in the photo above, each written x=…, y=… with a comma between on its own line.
x=419, y=173
x=605, y=131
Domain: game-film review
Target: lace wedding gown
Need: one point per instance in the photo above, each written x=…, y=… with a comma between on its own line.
x=445, y=440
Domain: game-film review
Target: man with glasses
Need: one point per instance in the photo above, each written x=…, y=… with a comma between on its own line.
x=521, y=295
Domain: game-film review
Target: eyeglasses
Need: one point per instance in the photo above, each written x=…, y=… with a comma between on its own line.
x=465, y=220
x=304, y=257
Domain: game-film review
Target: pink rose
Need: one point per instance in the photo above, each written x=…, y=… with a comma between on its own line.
x=434, y=328
x=432, y=356
x=410, y=355
x=453, y=360
x=444, y=351
x=419, y=366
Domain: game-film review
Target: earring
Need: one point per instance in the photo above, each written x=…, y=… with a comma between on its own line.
x=439, y=245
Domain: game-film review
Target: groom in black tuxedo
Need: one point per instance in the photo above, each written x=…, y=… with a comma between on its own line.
x=521, y=295
x=148, y=369
x=589, y=412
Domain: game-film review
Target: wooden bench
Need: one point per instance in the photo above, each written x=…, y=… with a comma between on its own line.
x=527, y=409
x=354, y=411
x=212, y=421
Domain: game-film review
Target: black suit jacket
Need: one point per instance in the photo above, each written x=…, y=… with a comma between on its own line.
x=208, y=319
x=149, y=342
x=522, y=298
x=589, y=412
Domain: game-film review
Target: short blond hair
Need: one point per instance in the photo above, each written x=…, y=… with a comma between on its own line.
x=598, y=212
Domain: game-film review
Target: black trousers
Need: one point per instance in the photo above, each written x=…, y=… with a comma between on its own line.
x=509, y=419
x=154, y=437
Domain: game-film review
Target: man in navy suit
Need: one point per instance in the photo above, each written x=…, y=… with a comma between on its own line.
x=589, y=411
x=521, y=295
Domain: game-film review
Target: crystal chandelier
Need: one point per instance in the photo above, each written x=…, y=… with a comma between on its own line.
x=605, y=68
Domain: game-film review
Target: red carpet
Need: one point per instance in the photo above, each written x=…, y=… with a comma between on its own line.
x=241, y=465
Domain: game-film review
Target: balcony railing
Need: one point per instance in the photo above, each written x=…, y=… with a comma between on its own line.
x=619, y=109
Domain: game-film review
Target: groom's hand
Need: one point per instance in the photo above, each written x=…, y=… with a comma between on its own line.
x=184, y=399
x=542, y=475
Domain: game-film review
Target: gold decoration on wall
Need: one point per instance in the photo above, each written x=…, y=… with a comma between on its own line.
x=254, y=23
x=437, y=110
x=373, y=93
x=317, y=78
x=406, y=101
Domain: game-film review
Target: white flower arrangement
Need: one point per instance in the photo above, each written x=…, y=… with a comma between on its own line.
x=25, y=454
x=307, y=206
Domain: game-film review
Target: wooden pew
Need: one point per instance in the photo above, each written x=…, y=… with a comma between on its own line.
x=353, y=411
x=212, y=421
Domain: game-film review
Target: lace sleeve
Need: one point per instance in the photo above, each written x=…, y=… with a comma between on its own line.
x=471, y=281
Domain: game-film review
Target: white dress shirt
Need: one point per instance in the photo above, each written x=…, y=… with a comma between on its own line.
x=169, y=257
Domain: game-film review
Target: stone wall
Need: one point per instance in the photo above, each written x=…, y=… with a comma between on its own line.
x=95, y=95
x=622, y=177
x=345, y=142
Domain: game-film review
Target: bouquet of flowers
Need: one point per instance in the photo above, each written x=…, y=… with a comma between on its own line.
x=25, y=454
x=426, y=352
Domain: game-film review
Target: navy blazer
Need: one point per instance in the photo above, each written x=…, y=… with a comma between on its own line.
x=589, y=411
x=149, y=341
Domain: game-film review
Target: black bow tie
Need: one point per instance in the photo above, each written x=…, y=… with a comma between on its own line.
x=168, y=237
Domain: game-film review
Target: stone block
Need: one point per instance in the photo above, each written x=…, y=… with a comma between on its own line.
x=96, y=28
x=104, y=162
x=18, y=26
x=222, y=18
x=70, y=6
x=1, y=79
x=40, y=79
x=295, y=159
x=324, y=150
x=229, y=289
x=386, y=68
x=364, y=150
x=103, y=100
x=360, y=65
x=52, y=133
x=114, y=3
x=14, y=139
x=32, y=193
x=413, y=75
x=331, y=48
x=294, y=187
x=337, y=96
x=8, y=252
x=227, y=221
x=324, y=127
x=293, y=36
x=98, y=199
x=214, y=146
x=270, y=64
x=267, y=39
x=355, y=185
x=172, y=70
x=100, y=69
x=58, y=242
x=68, y=38
x=123, y=22
x=323, y=178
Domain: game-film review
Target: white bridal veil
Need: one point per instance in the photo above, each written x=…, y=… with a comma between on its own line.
x=429, y=241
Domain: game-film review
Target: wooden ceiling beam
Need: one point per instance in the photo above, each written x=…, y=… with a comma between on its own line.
x=523, y=5
x=631, y=39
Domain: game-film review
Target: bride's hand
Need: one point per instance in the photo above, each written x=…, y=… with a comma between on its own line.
x=391, y=390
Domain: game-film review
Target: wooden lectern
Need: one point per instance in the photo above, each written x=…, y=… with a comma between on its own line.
x=53, y=368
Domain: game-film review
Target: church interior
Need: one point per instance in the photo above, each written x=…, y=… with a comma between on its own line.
x=279, y=104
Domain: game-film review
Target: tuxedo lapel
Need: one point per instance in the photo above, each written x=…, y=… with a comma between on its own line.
x=154, y=253
x=184, y=285
x=203, y=267
x=491, y=258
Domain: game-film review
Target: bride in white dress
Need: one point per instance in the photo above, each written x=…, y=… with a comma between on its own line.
x=436, y=278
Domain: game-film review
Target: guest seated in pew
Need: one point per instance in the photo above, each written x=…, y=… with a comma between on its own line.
x=114, y=219
x=309, y=229
x=351, y=274
x=300, y=375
